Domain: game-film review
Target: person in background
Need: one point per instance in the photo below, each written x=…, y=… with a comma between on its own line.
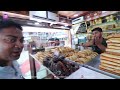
x=57, y=42
x=11, y=45
x=98, y=43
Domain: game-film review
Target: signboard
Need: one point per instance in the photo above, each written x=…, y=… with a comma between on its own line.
x=39, y=14
x=77, y=20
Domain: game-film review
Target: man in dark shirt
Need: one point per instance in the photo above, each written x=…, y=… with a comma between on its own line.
x=98, y=43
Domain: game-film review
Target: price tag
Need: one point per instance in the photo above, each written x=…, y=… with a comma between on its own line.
x=82, y=76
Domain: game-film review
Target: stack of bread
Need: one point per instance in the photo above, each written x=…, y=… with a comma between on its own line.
x=110, y=60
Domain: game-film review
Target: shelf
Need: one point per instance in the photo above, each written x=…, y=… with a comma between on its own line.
x=110, y=31
x=107, y=23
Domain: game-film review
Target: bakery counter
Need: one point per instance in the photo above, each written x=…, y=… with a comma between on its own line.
x=94, y=65
x=43, y=72
x=102, y=72
x=60, y=68
x=95, y=62
x=85, y=73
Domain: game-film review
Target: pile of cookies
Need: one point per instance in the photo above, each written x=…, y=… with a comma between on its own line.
x=83, y=57
x=41, y=55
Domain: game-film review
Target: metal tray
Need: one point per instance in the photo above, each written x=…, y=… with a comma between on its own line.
x=94, y=65
x=101, y=71
x=49, y=72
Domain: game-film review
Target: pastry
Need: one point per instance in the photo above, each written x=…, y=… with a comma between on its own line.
x=111, y=56
x=110, y=63
x=113, y=44
x=110, y=70
x=113, y=36
x=110, y=59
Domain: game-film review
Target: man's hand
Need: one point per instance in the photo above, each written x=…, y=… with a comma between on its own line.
x=98, y=41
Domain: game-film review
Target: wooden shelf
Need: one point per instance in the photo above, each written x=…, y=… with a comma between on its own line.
x=110, y=31
x=107, y=23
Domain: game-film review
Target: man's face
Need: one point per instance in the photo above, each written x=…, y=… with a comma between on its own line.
x=11, y=44
x=96, y=34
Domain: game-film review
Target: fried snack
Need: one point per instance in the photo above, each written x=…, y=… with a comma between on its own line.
x=111, y=56
x=113, y=41
x=110, y=70
x=110, y=63
x=113, y=51
x=113, y=44
x=80, y=57
x=113, y=47
x=79, y=61
x=41, y=55
x=113, y=36
x=110, y=59
x=109, y=66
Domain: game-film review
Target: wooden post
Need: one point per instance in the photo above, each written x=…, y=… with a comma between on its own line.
x=32, y=64
x=32, y=67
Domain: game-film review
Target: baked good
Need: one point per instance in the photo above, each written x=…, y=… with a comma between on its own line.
x=110, y=59
x=113, y=36
x=110, y=63
x=110, y=70
x=113, y=53
x=113, y=44
x=113, y=41
x=113, y=47
x=111, y=56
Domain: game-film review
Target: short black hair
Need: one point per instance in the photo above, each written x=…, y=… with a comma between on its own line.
x=97, y=29
x=9, y=23
x=57, y=39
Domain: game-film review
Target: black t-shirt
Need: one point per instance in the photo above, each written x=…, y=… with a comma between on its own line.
x=97, y=49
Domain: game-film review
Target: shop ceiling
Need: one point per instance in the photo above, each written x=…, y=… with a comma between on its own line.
x=71, y=14
x=67, y=14
x=24, y=15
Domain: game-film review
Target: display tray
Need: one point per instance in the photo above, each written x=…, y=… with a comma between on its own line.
x=71, y=61
x=58, y=77
x=85, y=73
x=94, y=65
x=94, y=62
x=46, y=73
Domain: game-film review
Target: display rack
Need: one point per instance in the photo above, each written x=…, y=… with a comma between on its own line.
x=94, y=65
x=86, y=73
x=91, y=66
x=54, y=76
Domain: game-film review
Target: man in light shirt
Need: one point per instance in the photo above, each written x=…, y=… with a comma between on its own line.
x=57, y=42
x=11, y=45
